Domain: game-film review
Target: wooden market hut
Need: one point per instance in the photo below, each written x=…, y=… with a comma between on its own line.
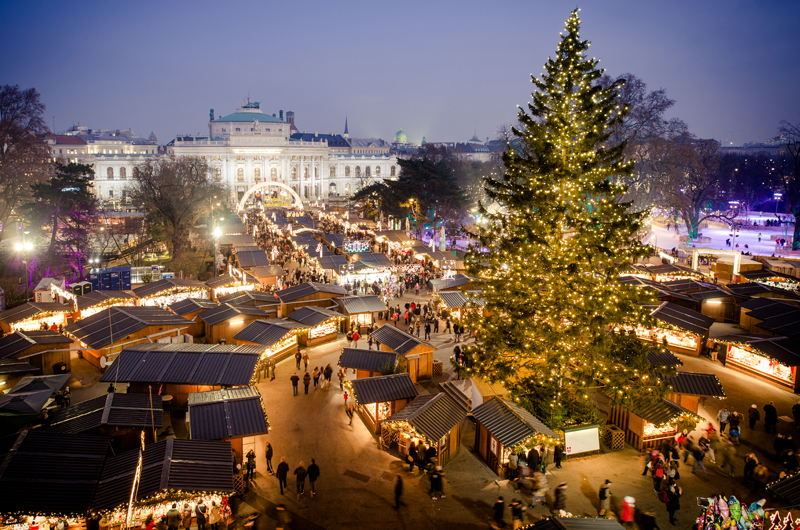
x=361, y=311
x=772, y=278
x=668, y=272
x=307, y=294
x=500, y=425
x=12, y=370
x=252, y=258
x=380, y=397
x=646, y=426
x=433, y=418
x=686, y=331
x=190, y=308
x=90, y=303
x=267, y=302
x=182, y=469
x=322, y=324
x=367, y=363
x=225, y=284
x=52, y=473
x=183, y=369
x=711, y=300
x=691, y=387
x=268, y=275
x=103, y=335
x=119, y=416
x=170, y=290
x=455, y=301
x=31, y=315
x=418, y=354
x=759, y=290
x=223, y=322
x=770, y=317
x=773, y=359
x=459, y=282
x=235, y=415
x=277, y=338
x=47, y=350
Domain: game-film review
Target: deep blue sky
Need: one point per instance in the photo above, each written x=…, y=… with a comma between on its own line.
x=438, y=68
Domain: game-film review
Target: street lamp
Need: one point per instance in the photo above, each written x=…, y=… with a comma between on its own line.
x=777, y=196
x=24, y=247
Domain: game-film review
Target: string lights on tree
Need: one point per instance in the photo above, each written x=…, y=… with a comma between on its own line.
x=548, y=260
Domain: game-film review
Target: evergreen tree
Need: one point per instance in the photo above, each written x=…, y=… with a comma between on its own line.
x=64, y=210
x=551, y=256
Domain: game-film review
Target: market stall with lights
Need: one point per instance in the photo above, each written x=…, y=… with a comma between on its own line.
x=322, y=325
x=689, y=388
x=380, y=397
x=458, y=282
x=680, y=329
x=670, y=272
x=647, y=425
x=226, y=284
x=190, y=308
x=223, y=322
x=367, y=363
x=417, y=353
x=170, y=290
x=434, y=419
x=502, y=428
x=361, y=311
x=277, y=338
x=773, y=359
x=173, y=470
x=32, y=316
x=96, y=301
x=456, y=303
x=772, y=278
x=308, y=294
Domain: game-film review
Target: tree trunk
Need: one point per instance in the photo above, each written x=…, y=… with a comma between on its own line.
x=796, y=234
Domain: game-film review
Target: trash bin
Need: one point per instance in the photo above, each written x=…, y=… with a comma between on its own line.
x=60, y=368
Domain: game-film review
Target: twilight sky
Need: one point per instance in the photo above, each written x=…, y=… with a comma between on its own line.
x=442, y=69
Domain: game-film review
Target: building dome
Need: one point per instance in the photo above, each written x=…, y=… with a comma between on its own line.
x=400, y=137
x=424, y=141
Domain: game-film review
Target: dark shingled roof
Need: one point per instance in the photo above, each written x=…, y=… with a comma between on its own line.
x=458, y=280
x=191, y=305
x=313, y=316
x=223, y=312
x=660, y=290
x=432, y=416
x=452, y=389
x=226, y=413
x=19, y=341
x=113, y=410
x=756, y=303
x=787, y=488
x=31, y=309
x=670, y=268
x=12, y=366
x=375, y=260
x=336, y=240
x=253, y=258
x=782, y=349
x=683, y=318
x=398, y=236
x=96, y=330
x=352, y=305
x=457, y=299
x=51, y=473
x=666, y=358
x=577, y=523
x=697, y=384
x=265, y=333
x=370, y=360
x=101, y=297
x=258, y=298
x=236, y=239
x=185, y=364
x=223, y=280
x=34, y=383
x=268, y=271
x=188, y=465
x=660, y=413
x=383, y=388
x=509, y=423
x=152, y=289
x=395, y=339
x=304, y=289
x=331, y=262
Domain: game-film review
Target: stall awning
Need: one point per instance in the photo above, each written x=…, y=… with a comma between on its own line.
x=224, y=312
x=112, y=410
x=395, y=339
x=375, y=260
x=152, y=289
x=19, y=341
x=313, y=316
x=509, y=423
x=223, y=280
x=665, y=358
x=383, y=388
x=186, y=465
x=308, y=288
x=335, y=240
x=250, y=259
x=432, y=415
x=31, y=309
x=101, y=297
x=191, y=305
x=457, y=299
x=258, y=298
x=662, y=412
x=697, y=384
x=683, y=318
x=782, y=349
x=40, y=382
x=787, y=488
x=265, y=332
x=116, y=323
x=267, y=271
x=185, y=364
x=333, y=263
x=226, y=413
x=368, y=360
x=396, y=236
x=352, y=305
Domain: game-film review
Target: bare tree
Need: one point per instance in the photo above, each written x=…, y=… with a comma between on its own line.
x=789, y=174
x=177, y=193
x=24, y=153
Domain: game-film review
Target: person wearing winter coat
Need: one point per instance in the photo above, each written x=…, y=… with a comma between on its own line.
x=187, y=516
x=628, y=511
x=770, y=417
x=173, y=517
x=306, y=381
x=561, y=498
x=753, y=415
x=605, y=497
x=513, y=462
x=673, y=501
x=313, y=475
x=558, y=455
x=533, y=460
x=200, y=515
x=214, y=517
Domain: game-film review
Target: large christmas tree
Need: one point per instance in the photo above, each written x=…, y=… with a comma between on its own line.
x=551, y=253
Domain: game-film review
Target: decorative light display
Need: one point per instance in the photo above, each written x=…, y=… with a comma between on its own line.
x=172, y=295
x=328, y=327
x=115, y=302
x=761, y=364
x=355, y=246
x=35, y=322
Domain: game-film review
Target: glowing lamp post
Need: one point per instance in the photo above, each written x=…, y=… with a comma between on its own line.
x=777, y=196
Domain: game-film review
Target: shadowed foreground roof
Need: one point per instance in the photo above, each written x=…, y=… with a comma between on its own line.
x=226, y=413
x=509, y=423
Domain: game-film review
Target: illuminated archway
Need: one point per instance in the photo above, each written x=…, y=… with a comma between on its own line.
x=263, y=186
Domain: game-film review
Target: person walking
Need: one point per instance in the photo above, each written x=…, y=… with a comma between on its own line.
x=412, y=456
x=628, y=511
x=213, y=516
x=283, y=473
x=533, y=460
x=770, y=417
x=306, y=381
x=313, y=475
x=727, y=453
x=437, y=483
x=605, y=498
x=342, y=376
x=305, y=361
x=295, y=380
x=348, y=409
x=398, y=490
x=300, y=477
x=298, y=357
x=513, y=464
x=499, y=512
x=558, y=455
x=427, y=331
x=723, y=417
x=173, y=517
x=560, y=502
x=435, y=324
x=659, y=471
x=750, y=463
x=356, y=336
x=327, y=375
x=282, y=518
x=648, y=460
x=699, y=454
x=269, y=458
x=753, y=415
x=315, y=375
x=516, y=513
x=674, y=493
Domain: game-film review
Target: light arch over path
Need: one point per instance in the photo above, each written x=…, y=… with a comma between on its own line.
x=263, y=186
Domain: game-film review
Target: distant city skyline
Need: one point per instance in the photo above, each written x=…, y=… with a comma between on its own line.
x=444, y=70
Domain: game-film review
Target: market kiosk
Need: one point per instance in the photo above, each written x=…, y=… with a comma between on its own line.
x=226, y=284
x=773, y=359
x=646, y=426
x=503, y=428
x=32, y=316
x=458, y=282
x=46, y=350
x=170, y=290
x=277, y=338
x=680, y=329
x=223, y=322
x=457, y=303
x=434, y=419
x=308, y=294
x=361, y=311
x=367, y=363
x=322, y=325
x=689, y=388
x=268, y=275
x=380, y=397
x=91, y=303
x=189, y=309
x=418, y=354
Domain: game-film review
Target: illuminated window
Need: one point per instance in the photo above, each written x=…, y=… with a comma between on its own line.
x=123, y=173
x=110, y=173
x=274, y=174
x=332, y=171
x=257, y=172
x=346, y=171
x=240, y=174
x=378, y=171
x=392, y=172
